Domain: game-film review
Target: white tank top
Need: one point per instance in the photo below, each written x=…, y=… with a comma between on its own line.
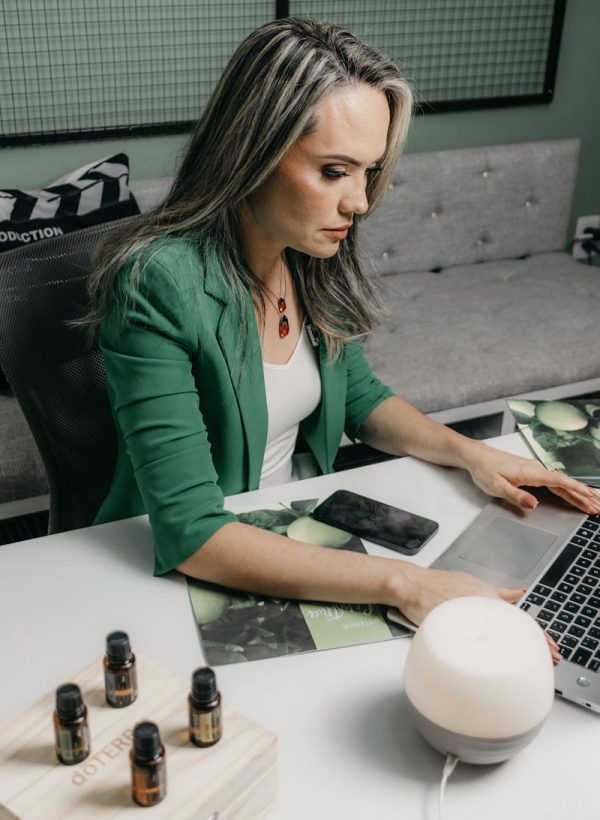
x=293, y=391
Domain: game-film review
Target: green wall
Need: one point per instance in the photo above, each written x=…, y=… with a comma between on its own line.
x=575, y=112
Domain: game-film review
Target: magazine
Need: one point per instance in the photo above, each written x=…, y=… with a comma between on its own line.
x=237, y=626
x=564, y=435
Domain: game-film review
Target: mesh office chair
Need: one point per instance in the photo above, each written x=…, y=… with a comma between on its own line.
x=57, y=379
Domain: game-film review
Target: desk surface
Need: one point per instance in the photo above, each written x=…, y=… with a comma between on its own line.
x=347, y=745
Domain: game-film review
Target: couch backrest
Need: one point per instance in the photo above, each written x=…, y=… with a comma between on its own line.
x=472, y=205
x=149, y=192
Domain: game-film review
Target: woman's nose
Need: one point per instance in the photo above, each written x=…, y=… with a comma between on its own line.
x=355, y=200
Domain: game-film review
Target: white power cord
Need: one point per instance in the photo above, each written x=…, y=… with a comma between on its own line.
x=449, y=767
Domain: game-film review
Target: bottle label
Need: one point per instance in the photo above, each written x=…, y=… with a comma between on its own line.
x=121, y=687
x=65, y=744
x=73, y=743
x=206, y=726
x=149, y=783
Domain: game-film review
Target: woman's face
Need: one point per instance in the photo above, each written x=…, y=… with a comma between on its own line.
x=309, y=201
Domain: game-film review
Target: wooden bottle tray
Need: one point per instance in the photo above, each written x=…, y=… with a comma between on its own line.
x=233, y=780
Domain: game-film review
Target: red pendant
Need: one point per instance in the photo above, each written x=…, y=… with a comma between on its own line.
x=281, y=304
x=284, y=327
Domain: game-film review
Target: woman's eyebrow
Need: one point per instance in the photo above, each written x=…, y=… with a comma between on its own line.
x=349, y=160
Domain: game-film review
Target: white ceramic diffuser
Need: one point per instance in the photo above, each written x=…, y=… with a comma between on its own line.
x=479, y=678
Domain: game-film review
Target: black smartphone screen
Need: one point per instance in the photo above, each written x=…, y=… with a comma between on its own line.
x=389, y=526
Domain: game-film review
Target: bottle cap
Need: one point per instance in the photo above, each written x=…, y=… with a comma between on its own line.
x=146, y=741
x=204, y=685
x=118, y=648
x=69, y=703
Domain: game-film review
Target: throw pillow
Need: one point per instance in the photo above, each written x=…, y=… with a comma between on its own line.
x=95, y=193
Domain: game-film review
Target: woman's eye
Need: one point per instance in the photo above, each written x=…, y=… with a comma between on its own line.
x=333, y=173
x=375, y=170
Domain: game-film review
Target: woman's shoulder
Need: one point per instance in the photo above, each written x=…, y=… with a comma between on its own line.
x=177, y=262
x=164, y=279
x=174, y=254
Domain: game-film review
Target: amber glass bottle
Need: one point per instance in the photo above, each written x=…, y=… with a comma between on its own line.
x=205, y=708
x=148, y=768
x=70, y=725
x=120, y=672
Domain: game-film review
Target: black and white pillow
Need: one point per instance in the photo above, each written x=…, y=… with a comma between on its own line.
x=95, y=193
x=98, y=192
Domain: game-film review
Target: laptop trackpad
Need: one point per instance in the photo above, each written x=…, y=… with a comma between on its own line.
x=508, y=547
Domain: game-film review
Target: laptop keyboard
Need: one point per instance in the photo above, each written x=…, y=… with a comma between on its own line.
x=566, y=600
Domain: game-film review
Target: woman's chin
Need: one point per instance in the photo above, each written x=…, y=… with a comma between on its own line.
x=323, y=251
x=328, y=255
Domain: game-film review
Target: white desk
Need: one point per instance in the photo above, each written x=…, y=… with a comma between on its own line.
x=347, y=746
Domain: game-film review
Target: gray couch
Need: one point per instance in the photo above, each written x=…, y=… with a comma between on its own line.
x=483, y=301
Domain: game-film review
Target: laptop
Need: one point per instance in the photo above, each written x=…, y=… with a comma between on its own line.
x=554, y=551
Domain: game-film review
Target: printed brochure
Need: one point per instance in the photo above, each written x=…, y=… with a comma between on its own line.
x=564, y=435
x=237, y=626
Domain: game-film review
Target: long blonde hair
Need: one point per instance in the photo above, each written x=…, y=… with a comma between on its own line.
x=264, y=102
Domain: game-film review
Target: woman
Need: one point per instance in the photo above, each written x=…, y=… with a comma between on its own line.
x=206, y=306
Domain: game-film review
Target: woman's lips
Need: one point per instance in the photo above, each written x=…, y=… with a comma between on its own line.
x=336, y=233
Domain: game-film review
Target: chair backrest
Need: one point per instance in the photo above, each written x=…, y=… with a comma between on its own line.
x=56, y=376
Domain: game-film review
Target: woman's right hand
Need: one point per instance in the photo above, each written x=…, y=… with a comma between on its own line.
x=430, y=587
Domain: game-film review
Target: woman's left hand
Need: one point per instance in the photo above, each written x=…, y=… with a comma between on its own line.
x=502, y=475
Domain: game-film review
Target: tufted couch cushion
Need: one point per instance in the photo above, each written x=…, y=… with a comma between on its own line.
x=470, y=205
x=149, y=192
x=480, y=332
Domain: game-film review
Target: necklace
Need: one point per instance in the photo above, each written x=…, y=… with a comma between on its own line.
x=280, y=307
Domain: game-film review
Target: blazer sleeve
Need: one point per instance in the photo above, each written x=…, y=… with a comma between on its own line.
x=149, y=343
x=364, y=391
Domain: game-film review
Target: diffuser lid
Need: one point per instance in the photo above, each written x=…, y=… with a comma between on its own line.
x=480, y=667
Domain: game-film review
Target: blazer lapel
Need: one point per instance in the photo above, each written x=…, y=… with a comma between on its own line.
x=246, y=371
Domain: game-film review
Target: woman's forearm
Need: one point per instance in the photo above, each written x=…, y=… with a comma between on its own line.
x=395, y=426
x=262, y=562
x=254, y=560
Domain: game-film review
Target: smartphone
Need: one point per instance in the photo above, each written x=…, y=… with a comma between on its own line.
x=391, y=527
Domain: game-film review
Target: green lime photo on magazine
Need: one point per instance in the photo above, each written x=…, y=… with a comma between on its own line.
x=564, y=435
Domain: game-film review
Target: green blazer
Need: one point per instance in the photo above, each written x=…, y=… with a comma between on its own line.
x=189, y=405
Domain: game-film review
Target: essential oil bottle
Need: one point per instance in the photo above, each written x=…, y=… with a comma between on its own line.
x=70, y=725
x=205, y=708
x=120, y=672
x=148, y=768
